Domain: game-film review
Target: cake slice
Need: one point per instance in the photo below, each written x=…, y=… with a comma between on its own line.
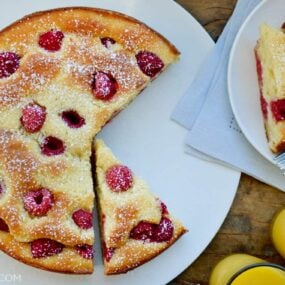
x=270, y=54
x=46, y=207
x=135, y=225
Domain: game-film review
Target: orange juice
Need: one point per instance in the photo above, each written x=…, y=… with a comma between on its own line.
x=278, y=232
x=260, y=275
x=225, y=269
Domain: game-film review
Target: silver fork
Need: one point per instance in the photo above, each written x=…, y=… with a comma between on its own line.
x=280, y=161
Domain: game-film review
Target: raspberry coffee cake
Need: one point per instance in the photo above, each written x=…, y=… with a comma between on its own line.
x=270, y=54
x=135, y=225
x=63, y=75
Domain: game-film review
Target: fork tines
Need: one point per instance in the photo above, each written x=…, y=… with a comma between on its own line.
x=280, y=160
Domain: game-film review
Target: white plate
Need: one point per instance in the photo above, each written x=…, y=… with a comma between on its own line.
x=242, y=78
x=143, y=137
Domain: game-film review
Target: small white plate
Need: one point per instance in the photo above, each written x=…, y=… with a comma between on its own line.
x=242, y=77
x=143, y=136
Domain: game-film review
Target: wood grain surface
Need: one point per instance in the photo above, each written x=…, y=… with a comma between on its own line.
x=247, y=227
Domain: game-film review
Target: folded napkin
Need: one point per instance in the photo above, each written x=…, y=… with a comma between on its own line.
x=206, y=112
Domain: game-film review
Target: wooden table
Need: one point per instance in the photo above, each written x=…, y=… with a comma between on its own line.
x=246, y=229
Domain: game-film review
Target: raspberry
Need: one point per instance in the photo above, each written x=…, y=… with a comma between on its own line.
x=108, y=252
x=51, y=40
x=259, y=70
x=264, y=104
x=39, y=202
x=45, y=247
x=149, y=232
x=83, y=219
x=52, y=146
x=164, y=231
x=119, y=178
x=3, y=226
x=164, y=210
x=149, y=63
x=2, y=188
x=103, y=220
x=278, y=109
x=9, y=63
x=73, y=119
x=85, y=250
x=143, y=231
x=260, y=83
x=104, y=86
x=33, y=117
x=107, y=42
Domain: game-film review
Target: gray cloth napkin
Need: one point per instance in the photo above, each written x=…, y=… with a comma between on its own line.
x=206, y=112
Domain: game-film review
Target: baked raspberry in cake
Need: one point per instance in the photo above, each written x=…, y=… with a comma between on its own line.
x=63, y=74
x=135, y=225
x=270, y=65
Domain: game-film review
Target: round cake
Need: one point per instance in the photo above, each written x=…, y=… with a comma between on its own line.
x=63, y=75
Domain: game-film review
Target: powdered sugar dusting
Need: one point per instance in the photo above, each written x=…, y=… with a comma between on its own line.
x=73, y=61
x=83, y=60
x=30, y=78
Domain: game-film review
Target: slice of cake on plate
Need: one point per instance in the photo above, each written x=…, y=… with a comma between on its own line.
x=270, y=63
x=135, y=225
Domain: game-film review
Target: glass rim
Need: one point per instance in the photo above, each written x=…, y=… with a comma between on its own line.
x=248, y=267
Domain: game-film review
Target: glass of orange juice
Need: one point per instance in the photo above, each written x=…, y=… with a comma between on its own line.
x=259, y=274
x=243, y=269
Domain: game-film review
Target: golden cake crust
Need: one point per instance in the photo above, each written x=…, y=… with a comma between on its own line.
x=80, y=20
x=68, y=261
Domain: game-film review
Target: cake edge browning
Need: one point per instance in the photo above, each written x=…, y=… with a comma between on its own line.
x=276, y=138
x=112, y=270
x=116, y=15
x=70, y=261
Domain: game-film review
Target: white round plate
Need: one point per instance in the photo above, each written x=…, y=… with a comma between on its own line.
x=242, y=78
x=143, y=136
